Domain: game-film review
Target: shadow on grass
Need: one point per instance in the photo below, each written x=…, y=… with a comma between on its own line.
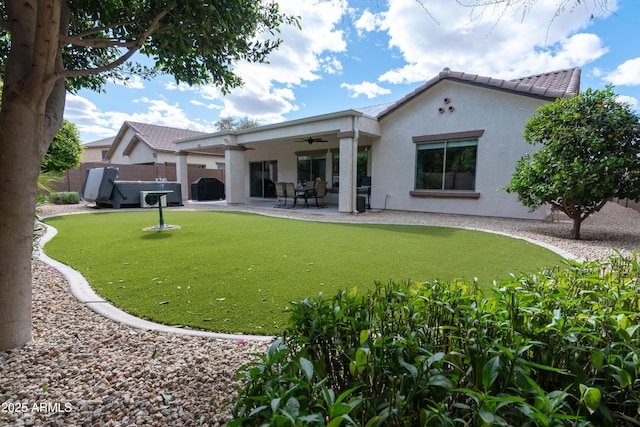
x=157, y=235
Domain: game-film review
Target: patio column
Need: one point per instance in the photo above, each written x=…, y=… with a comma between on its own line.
x=234, y=173
x=182, y=173
x=348, y=170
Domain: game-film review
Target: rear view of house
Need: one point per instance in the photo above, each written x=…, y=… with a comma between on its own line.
x=447, y=147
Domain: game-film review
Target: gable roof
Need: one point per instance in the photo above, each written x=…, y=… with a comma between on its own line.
x=548, y=86
x=100, y=143
x=158, y=138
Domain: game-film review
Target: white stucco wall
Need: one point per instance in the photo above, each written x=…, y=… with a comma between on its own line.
x=501, y=115
x=210, y=162
x=140, y=154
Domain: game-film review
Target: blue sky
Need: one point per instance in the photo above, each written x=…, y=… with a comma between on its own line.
x=356, y=53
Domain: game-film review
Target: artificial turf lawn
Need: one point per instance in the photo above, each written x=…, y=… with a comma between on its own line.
x=237, y=272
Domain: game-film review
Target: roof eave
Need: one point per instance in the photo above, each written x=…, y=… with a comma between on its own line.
x=491, y=83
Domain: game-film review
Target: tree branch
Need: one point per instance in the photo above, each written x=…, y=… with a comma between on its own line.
x=102, y=43
x=133, y=45
x=67, y=39
x=4, y=25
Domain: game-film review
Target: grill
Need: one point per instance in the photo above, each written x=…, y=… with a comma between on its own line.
x=207, y=189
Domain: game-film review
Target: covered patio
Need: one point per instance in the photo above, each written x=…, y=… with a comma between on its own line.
x=324, y=147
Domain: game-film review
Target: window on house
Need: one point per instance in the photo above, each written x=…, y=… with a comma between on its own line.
x=311, y=167
x=362, y=166
x=446, y=165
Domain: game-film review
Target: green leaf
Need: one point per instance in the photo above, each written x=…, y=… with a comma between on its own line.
x=490, y=372
x=364, y=336
x=307, y=368
x=409, y=367
x=591, y=397
x=293, y=407
x=440, y=381
x=597, y=359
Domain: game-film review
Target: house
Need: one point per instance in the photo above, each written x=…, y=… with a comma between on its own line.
x=447, y=147
x=146, y=144
x=96, y=151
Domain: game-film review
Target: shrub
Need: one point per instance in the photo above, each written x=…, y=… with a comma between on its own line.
x=558, y=347
x=65, y=198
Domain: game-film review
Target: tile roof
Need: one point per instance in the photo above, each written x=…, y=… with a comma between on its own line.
x=160, y=138
x=548, y=86
x=104, y=142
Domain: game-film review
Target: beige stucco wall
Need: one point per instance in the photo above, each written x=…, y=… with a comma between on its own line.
x=501, y=115
x=93, y=154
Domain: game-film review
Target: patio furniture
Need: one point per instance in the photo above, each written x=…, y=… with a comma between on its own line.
x=281, y=195
x=290, y=191
x=319, y=193
x=302, y=193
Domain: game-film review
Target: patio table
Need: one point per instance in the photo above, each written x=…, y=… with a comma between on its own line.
x=305, y=193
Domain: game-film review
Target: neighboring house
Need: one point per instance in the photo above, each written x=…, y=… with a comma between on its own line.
x=96, y=151
x=447, y=147
x=145, y=144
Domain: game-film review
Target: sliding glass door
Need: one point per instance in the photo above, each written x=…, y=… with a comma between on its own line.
x=263, y=178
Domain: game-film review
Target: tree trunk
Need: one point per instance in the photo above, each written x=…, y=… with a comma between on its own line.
x=20, y=142
x=30, y=115
x=575, y=231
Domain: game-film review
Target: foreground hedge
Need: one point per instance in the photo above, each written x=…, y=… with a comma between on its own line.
x=556, y=348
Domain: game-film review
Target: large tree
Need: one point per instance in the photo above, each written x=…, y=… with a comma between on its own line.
x=49, y=47
x=590, y=153
x=232, y=123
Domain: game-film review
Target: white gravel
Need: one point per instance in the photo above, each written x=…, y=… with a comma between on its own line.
x=82, y=369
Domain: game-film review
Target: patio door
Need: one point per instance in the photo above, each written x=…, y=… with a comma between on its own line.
x=263, y=178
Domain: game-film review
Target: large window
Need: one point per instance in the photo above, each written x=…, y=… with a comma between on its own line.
x=446, y=165
x=311, y=167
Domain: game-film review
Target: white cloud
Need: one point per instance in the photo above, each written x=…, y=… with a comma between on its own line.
x=132, y=82
x=101, y=124
x=87, y=118
x=627, y=73
x=369, y=22
x=633, y=102
x=483, y=42
x=304, y=56
x=370, y=90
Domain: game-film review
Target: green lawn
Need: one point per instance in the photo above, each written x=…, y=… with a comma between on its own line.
x=237, y=272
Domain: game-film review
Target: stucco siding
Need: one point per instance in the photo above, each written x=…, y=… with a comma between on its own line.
x=451, y=107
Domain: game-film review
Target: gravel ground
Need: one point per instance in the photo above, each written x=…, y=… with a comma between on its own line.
x=82, y=369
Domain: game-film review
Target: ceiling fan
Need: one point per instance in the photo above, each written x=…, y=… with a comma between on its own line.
x=311, y=140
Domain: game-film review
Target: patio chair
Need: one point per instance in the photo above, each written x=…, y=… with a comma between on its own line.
x=319, y=193
x=282, y=196
x=289, y=191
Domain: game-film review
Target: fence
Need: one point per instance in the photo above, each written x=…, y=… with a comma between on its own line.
x=74, y=178
x=628, y=204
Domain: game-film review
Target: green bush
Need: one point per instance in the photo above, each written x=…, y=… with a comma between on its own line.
x=65, y=198
x=556, y=348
